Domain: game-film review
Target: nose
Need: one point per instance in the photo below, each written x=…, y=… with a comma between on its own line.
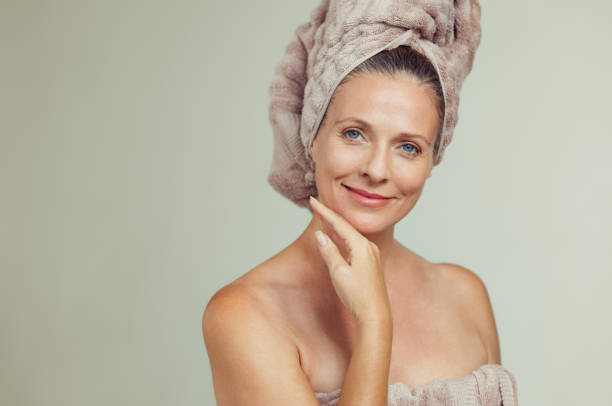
x=376, y=164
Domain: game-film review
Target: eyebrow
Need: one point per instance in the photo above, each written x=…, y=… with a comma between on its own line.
x=369, y=127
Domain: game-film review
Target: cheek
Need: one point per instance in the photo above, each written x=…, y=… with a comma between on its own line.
x=410, y=178
x=338, y=160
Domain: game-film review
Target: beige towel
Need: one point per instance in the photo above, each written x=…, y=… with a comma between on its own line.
x=339, y=36
x=489, y=385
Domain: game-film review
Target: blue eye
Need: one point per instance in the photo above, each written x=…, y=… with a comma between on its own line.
x=354, y=131
x=414, y=149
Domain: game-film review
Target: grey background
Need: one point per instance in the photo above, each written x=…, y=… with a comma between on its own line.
x=134, y=150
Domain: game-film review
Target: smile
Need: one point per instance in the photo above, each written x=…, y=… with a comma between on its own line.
x=367, y=199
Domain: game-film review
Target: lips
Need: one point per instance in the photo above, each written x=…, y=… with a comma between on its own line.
x=366, y=193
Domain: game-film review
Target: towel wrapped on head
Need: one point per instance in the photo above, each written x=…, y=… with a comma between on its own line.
x=340, y=35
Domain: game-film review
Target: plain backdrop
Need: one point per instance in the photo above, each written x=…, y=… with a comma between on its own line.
x=134, y=150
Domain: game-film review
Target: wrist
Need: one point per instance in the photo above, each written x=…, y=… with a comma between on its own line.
x=380, y=323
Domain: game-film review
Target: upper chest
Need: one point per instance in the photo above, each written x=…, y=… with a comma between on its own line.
x=433, y=336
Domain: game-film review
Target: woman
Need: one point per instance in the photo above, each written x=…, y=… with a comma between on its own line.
x=346, y=315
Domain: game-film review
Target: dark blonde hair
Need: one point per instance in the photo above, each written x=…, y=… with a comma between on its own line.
x=403, y=60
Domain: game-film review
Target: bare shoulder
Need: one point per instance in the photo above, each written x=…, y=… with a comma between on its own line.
x=235, y=309
x=252, y=360
x=466, y=283
x=229, y=304
x=468, y=292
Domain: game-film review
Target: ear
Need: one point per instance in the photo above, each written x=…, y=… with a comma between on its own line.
x=313, y=148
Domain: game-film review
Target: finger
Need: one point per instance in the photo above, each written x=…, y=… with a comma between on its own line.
x=329, y=252
x=335, y=237
x=343, y=228
x=342, y=242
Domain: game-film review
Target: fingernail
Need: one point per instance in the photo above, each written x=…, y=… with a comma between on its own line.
x=320, y=238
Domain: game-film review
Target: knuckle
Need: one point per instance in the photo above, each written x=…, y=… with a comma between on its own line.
x=338, y=268
x=363, y=242
x=374, y=248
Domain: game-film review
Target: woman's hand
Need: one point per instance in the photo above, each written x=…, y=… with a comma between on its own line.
x=358, y=280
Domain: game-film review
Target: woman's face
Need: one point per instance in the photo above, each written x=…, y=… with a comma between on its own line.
x=378, y=136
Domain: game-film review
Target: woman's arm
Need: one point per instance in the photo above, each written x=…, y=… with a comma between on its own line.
x=252, y=361
x=367, y=379
x=360, y=284
x=472, y=295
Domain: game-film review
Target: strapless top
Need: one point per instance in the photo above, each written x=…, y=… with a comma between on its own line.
x=489, y=385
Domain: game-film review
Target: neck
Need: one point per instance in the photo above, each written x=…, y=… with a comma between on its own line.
x=307, y=243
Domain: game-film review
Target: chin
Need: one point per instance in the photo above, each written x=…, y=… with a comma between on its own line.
x=368, y=223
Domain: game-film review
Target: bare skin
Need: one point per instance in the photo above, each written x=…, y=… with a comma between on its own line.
x=437, y=328
x=441, y=323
